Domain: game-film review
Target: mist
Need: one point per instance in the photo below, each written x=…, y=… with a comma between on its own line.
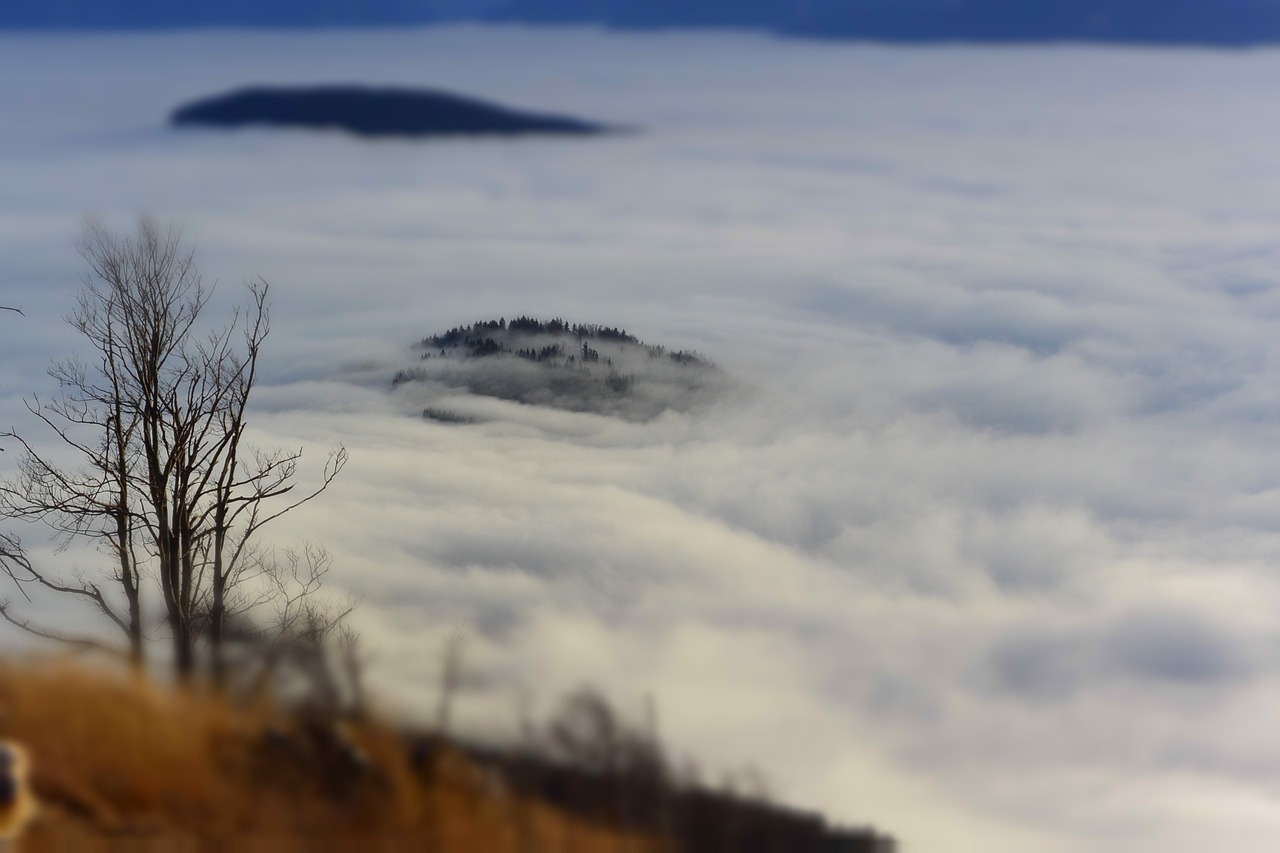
x=977, y=542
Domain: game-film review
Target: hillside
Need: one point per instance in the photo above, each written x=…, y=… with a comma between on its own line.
x=581, y=367
x=120, y=762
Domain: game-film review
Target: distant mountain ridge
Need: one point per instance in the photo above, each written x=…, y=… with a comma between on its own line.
x=368, y=111
x=1203, y=22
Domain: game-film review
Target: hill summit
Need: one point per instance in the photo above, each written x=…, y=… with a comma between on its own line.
x=369, y=111
x=581, y=367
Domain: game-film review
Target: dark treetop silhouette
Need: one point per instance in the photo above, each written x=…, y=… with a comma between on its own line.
x=584, y=367
x=373, y=112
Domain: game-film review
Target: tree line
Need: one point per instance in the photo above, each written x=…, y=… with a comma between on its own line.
x=481, y=329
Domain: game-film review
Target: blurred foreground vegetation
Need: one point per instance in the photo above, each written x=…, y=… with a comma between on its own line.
x=123, y=762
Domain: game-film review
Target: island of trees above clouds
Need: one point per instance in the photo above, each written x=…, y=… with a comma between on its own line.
x=374, y=112
x=580, y=367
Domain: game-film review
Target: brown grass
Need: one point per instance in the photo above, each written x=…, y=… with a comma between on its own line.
x=120, y=762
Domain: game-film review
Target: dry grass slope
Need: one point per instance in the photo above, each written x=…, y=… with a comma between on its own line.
x=123, y=763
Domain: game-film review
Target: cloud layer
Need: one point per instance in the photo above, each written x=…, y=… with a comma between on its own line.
x=981, y=547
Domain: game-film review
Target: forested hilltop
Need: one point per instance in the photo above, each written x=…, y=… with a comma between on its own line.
x=584, y=367
x=373, y=111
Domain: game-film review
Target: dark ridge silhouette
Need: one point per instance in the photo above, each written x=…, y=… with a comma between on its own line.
x=1226, y=23
x=641, y=796
x=373, y=112
x=493, y=337
x=445, y=417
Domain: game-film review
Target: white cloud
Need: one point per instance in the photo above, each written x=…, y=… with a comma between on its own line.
x=982, y=548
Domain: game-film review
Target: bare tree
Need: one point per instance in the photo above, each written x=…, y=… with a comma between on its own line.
x=16, y=311
x=629, y=772
x=450, y=673
x=283, y=635
x=156, y=418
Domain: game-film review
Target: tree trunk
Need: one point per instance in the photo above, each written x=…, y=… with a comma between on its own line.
x=184, y=657
x=217, y=620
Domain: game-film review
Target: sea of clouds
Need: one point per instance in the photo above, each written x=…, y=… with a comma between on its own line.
x=983, y=548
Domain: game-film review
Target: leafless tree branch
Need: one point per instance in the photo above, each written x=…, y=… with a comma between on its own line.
x=166, y=485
